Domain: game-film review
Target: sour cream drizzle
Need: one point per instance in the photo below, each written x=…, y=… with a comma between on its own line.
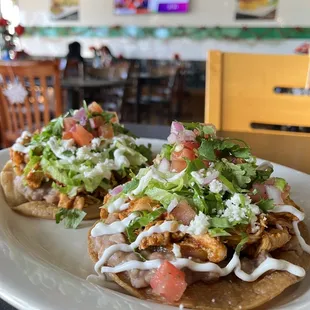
x=289, y=209
x=172, y=226
x=114, y=228
x=118, y=205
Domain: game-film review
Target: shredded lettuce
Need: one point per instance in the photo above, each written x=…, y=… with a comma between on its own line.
x=31, y=164
x=71, y=217
x=218, y=232
x=164, y=196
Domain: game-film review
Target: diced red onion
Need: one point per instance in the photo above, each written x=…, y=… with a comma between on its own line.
x=265, y=165
x=211, y=177
x=172, y=138
x=92, y=123
x=176, y=127
x=275, y=194
x=189, y=135
x=116, y=190
x=164, y=165
x=80, y=116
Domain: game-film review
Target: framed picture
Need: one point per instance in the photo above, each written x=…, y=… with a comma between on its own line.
x=64, y=9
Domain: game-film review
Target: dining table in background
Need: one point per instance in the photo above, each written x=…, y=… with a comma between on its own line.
x=78, y=85
x=146, y=79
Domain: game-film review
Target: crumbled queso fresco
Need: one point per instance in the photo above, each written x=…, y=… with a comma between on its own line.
x=235, y=211
x=216, y=186
x=199, y=225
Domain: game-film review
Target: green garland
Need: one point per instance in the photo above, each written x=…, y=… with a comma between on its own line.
x=195, y=33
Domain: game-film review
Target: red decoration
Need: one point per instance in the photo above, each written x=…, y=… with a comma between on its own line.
x=19, y=30
x=176, y=57
x=121, y=57
x=303, y=48
x=3, y=22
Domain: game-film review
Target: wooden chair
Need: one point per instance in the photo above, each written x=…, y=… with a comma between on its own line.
x=241, y=102
x=41, y=79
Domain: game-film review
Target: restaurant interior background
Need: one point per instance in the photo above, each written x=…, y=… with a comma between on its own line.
x=153, y=44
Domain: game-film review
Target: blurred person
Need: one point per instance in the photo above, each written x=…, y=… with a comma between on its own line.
x=75, y=52
x=107, y=57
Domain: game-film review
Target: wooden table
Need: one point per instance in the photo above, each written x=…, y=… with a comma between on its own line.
x=91, y=83
x=79, y=84
x=146, y=79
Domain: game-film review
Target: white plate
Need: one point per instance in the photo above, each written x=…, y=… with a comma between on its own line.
x=44, y=266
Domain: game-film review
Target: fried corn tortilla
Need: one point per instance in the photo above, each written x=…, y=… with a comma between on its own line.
x=228, y=292
x=40, y=209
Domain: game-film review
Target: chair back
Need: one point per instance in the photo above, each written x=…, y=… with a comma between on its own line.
x=242, y=102
x=41, y=80
x=241, y=94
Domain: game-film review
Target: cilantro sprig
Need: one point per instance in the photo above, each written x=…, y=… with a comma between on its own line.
x=212, y=149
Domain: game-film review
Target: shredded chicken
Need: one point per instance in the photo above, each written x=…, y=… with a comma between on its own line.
x=234, y=239
x=203, y=247
x=35, y=177
x=163, y=239
x=17, y=157
x=65, y=201
x=273, y=239
x=141, y=204
x=155, y=240
x=104, y=213
x=79, y=202
x=18, y=161
x=270, y=241
x=276, y=219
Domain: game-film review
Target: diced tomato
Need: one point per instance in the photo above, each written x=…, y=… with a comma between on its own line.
x=97, y=121
x=185, y=153
x=81, y=135
x=95, y=108
x=183, y=212
x=69, y=122
x=115, y=118
x=169, y=282
x=67, y=135
x=178, y=165
x=178, y=162
x=191, y=145
x=106, y=131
